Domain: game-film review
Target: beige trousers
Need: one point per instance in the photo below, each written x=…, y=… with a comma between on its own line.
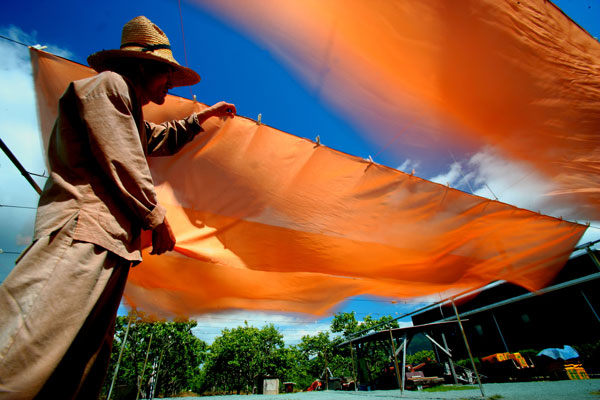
x=57, y=314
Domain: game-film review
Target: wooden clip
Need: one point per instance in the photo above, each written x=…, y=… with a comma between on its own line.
x=259, y=120
x=318, y=140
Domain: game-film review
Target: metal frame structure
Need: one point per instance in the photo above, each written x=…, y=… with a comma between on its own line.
x=406, y=334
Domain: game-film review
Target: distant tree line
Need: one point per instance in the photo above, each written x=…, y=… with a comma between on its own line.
x=166, y=359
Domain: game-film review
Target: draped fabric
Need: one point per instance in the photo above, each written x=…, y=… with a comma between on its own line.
x=265, y=220
x=421, y=77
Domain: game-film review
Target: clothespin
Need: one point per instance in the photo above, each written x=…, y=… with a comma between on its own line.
x=194, y=98
x=412, y=173
x=588, y=224
x=259, y=119
x=371, y=159
x=39, y=47
x=318, y=140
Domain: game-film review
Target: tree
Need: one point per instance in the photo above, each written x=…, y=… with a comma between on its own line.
x=241, y=357
x=374, y=356
x=162, y=356
x=347, y=324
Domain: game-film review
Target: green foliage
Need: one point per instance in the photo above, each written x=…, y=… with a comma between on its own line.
x=589, y=354
x=420, y=357
x=375, y=357
x=347, y=324
x=240, y=358
x=168, y=356
x=150, y=354
x=466, y=363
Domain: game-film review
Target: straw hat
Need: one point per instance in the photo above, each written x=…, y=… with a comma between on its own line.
x=144, y=40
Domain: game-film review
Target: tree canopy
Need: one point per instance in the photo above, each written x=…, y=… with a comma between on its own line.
x=165, y=358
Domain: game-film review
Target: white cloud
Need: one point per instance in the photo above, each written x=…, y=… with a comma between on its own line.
x=409, y=166
x=488, y=174
x=450, y=177
x=512, y=182
x=21, y=135
x=292, y=327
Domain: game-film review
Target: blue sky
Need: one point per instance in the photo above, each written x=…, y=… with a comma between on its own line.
x=233, y=68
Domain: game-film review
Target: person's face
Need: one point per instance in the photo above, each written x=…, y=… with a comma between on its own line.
x=158, y=82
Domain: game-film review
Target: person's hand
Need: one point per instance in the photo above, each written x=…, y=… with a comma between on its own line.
x=163, y=238
x=221, y=109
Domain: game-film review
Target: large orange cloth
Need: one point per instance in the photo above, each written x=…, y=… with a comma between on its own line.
x=425, y=76
x=268, y=221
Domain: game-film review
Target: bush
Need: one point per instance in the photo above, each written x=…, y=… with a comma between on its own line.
x=589, y=354
x=420, y=357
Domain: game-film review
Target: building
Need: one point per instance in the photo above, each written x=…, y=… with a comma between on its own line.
x=507, y=318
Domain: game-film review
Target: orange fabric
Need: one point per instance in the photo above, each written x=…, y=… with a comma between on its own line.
x=266, y=220
x=424, y=76
x=52, y=75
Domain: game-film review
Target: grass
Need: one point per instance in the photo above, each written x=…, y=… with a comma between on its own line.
x=447, y=388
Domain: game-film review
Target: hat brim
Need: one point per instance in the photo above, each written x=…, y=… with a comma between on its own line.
x=103, y=60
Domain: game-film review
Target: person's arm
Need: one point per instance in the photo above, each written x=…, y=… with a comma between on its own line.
x=168, y=138
x=115, y=143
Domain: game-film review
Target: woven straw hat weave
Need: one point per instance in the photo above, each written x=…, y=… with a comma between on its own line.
x=144, y=40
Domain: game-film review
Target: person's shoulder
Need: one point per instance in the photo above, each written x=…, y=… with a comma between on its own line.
x=105, y=83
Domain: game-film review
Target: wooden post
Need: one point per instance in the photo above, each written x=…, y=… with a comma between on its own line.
x=114, y=378
x=400, y=382
x=450, y=359
x=141, y=381
x=353, y=368
x=462, y=330
x=404, y=360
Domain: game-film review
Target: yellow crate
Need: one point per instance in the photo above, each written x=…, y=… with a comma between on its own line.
x=576, y=373
x=519, y=360
x=582, y=374
x=572, y=374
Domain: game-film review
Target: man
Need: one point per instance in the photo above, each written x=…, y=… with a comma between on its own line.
x=58, y=306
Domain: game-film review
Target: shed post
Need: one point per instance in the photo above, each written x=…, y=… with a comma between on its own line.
x=462, y=330
x=400, y=382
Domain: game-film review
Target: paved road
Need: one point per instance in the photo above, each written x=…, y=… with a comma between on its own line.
x=547, y=390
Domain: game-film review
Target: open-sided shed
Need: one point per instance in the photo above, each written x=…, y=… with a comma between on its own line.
x=399, y=340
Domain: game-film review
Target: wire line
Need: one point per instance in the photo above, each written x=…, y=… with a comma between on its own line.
x=27, y=207
x=14, y=41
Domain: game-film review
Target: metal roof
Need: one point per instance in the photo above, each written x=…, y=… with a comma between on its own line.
x=398, y=332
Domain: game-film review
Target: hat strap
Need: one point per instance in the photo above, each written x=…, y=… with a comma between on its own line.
x=147, y=47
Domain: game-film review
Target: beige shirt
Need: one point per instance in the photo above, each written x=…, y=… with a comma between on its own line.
x=97, y=156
